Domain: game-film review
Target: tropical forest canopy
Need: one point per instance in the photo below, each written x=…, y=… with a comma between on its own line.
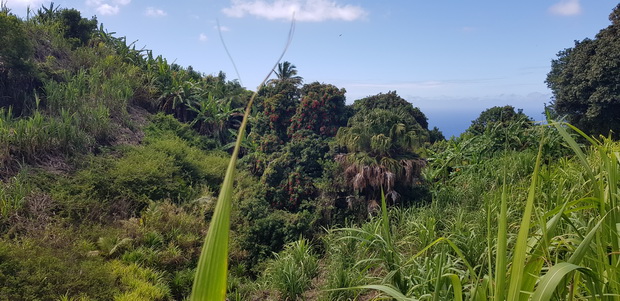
x=111, y=159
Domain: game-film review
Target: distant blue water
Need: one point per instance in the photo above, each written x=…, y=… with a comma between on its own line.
x=453, y=122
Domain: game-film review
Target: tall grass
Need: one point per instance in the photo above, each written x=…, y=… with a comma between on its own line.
x=552, y=235
x=292, y=270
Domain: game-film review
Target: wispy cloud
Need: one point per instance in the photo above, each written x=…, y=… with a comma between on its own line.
x=431, y=84
x=566, y=8
x=155, y=12
x=222, y=28
x=203, y=37
x=106, y=7
x=305, y=10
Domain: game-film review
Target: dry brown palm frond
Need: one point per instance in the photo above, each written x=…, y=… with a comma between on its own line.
x=390, y=179
x=359, y=182
x=409, y=168
x=393, y=195
x=350, y=172
x=373, y=207
x=341, y=158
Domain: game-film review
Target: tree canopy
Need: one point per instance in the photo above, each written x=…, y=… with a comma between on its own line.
x=585, y=81
x=498, y=116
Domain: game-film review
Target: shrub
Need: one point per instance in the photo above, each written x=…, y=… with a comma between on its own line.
x=138, y=283
x=293, y=269
x=163, y=125
x=31, y=270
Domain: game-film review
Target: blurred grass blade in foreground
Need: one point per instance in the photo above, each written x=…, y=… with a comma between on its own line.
x=211, y=272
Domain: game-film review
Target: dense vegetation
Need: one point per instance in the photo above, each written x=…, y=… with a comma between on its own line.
x=110, y=158
x=584, y=81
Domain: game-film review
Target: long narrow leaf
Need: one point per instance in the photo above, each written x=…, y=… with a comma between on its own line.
x=456, y=286
x=212, y=270
x=502, y=243
x=389, y=290
x=554, y=276
x=518, y=260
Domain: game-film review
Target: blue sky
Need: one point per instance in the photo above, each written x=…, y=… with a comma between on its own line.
x=452, y=59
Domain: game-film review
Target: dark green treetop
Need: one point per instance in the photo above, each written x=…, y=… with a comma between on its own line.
x=585, y=81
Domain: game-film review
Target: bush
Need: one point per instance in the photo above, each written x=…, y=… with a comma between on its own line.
x=17, y=77
x=163, y=169
x=163, y=125
x=138, y=283
x=31, y=270
x=292, y=270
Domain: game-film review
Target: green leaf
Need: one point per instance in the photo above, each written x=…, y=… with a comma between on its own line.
x=554, y=276
x=212, y=270
x=456, y=286
x=520, y=253
x=389, y=290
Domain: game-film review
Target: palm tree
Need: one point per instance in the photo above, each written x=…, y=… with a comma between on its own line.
x=288, y=72
x=381, y=153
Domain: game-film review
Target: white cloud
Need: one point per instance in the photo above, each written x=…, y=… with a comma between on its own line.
x=222, y=28
x=107, y=9
x=155, y=12
x=203, y=37
x=305, y=10
x=566, y=8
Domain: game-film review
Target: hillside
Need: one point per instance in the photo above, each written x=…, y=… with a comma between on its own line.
x=111, y=160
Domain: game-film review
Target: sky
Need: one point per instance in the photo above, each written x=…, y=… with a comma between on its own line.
x=451, y=58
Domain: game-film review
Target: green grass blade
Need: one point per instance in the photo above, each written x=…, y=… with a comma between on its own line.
x=456, y=286
x=584, y=246
x=212, y=270
x=389, y=290
x=385, y=220
x=520, y=251
x=554, y=276
x=577, y=149
x=210, y=278
x=502, y=243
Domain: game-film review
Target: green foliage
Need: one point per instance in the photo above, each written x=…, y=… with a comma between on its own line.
x=31, y=270
x=292, y=270
x=498, y=117
x=290, y=173
x=583, y=80
x=163, y=125
x=381, y=132
x=13, y=194
x=391, y=101
x=320, y=110
x=288, y=72
x=78, y=30
x=278, y=103
x=564, y=223
x=266, y=230
x=435, y=135
x=379, y=148
x=164, y=169
x=502, y=128
x=31, y=138
x=138, y=283
x=17, y=76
